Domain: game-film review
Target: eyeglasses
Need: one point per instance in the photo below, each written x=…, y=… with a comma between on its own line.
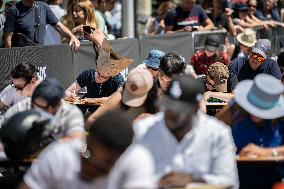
x=100, y=165
x=254, y=6
x=151, y=68
x=19, y=88
x=257, y=57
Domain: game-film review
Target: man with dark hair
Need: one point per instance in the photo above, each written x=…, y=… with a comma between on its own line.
x=24, y=79
x=48, y=96
x=171, y=64
x=186, y=144
x=83, y=165
x=186, y=16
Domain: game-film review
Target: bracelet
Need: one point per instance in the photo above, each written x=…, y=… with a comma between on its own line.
x=274, y=152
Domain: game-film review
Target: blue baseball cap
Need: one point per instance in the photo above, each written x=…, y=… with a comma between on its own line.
x=154, y=58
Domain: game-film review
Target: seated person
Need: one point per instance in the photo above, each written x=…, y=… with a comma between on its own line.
x=280, y=62
x=215, y=84
x=170, y=65
x=186, y=16
x=152, y=62
x=23, y=81
x=257, y=129
x=83, y=163
x=100, y=82
x=201, y=60
x=48, y=96
x=136, y=97
x=187, y=145
x=23, y=136
x=257, y=62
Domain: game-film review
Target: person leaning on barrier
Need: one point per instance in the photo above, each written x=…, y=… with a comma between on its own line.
x=48, y=96
x=186, y=16
x=258, y=61
x=24, y=79
x=83, y=163
x=21, y=18
x=181, y=138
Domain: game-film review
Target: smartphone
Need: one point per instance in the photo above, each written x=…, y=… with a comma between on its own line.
x=87, y=29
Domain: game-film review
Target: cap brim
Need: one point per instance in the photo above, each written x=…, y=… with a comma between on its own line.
x=239, y=38
x=133, y=100
x=151, y=64
x=175, y=105
x=258, y=51
x=242, y=90
x=211, y=48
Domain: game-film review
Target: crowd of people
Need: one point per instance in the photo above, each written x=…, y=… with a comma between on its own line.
x=151, y=129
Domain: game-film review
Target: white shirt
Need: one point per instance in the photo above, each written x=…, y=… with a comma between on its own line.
x=52, y=37
x=134, y=169
x=58, y=167
x=70, y=117
x=206, y=151
x=10, y=96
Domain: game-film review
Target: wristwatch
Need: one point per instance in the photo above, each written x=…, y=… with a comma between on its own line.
x=274, y=152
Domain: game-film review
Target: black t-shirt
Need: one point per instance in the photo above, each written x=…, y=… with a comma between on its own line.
x=98, y=90
x=178, y=18
x=21, y=19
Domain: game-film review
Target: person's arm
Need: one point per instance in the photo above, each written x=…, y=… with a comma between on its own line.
x=254, y=150
x=112, y=103
x=274, y=69
x=8, y=39
x=2, y=106
x=72, y=91
x=208, y=25
x=65, y=32
x=150, y=26
x=231, y=25
x=96, y=36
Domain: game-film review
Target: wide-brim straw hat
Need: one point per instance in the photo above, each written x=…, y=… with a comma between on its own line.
x=247, y=38
x=109, y=63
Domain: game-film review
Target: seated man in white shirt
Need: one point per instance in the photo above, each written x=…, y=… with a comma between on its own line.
x=187, y=145
x=23, y=81
x=48, y=96
x=74, y=165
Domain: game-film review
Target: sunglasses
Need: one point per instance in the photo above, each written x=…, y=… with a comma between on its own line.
x=151, y=68
x=254, y=6
x=100, y=165
x=257, y=57
x=19, y=88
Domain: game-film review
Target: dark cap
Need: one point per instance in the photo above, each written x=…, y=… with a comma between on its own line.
x=241, y=6
x=212, y=43
x=182, y=94
x=50, y=90
x=27, y=132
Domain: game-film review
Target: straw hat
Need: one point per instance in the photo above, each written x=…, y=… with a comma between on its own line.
x=247, y=38
x=109, y=63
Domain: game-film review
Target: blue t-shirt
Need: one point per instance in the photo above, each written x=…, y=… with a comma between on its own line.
x=246, y=131
x=97, y=90
x=178, y=18
x=21, y=19
x=240, y=70
x=274, y=15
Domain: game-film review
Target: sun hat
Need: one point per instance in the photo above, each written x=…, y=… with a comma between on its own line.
x=138, y=83
x=109, y=63
x=153, y=59
x=219, y=73
x=262, y=47
x=247, y=38
x=212, y=43
x=183, y=94
x=261, y=97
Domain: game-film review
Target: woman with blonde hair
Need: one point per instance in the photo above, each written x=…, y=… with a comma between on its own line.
x=80, y=13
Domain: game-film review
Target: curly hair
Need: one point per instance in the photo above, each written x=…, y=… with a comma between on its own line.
x=218, y=70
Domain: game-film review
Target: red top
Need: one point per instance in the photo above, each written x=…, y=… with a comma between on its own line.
x=200, y=61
